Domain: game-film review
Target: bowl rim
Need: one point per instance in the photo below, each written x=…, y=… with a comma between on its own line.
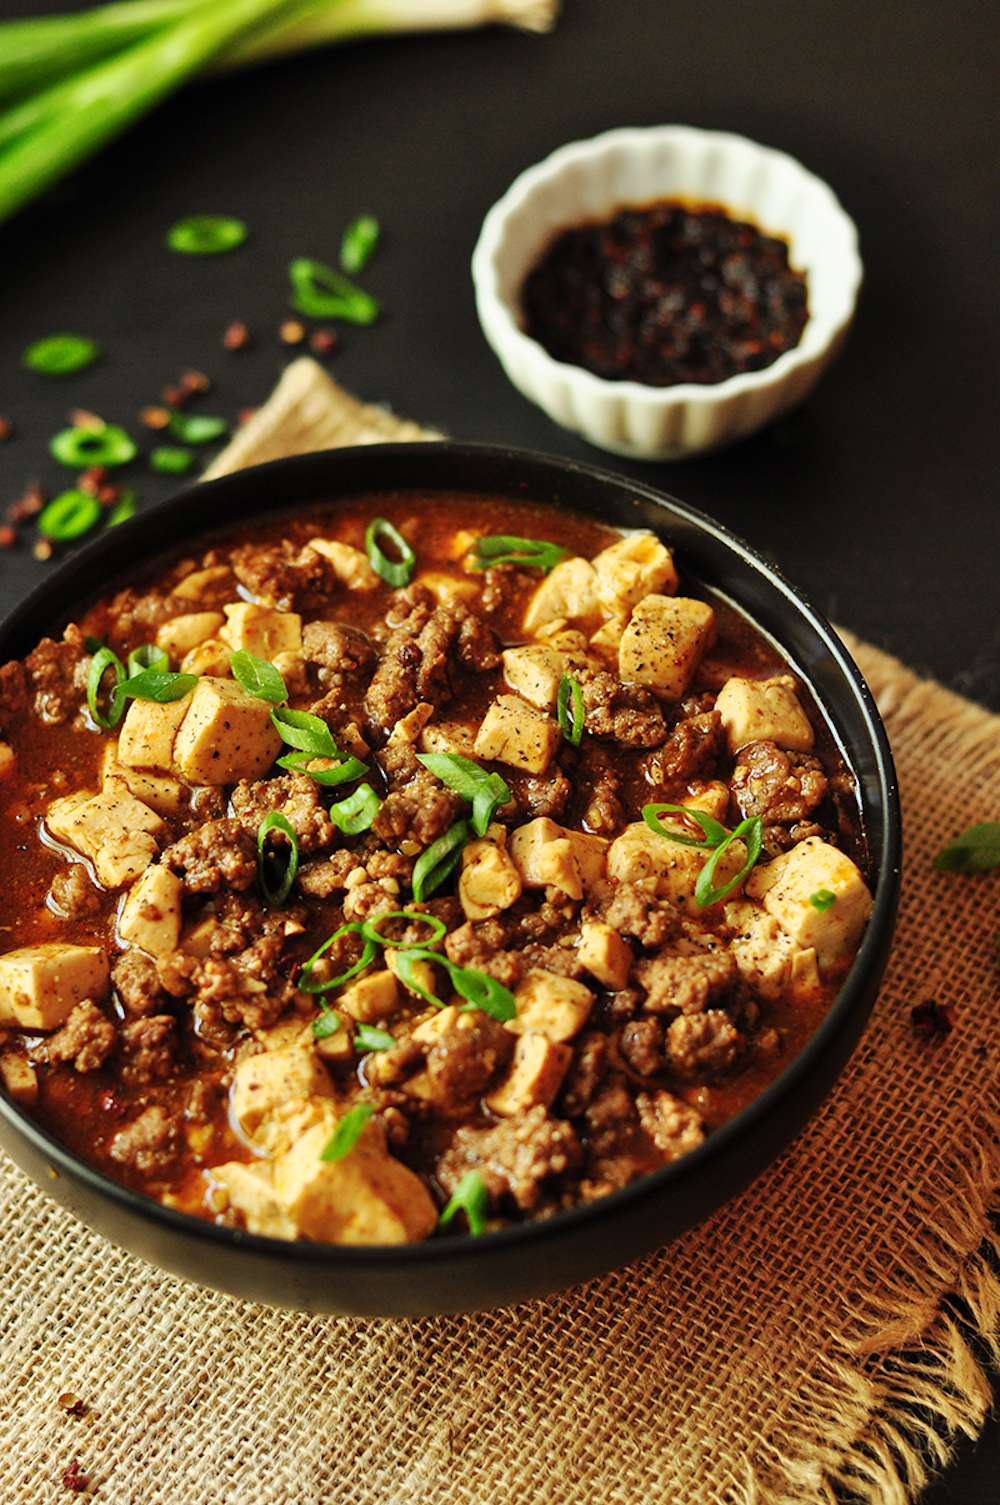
x=500, y=322
x=194, y=503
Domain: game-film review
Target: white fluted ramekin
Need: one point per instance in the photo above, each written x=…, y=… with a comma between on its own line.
x=591, y=180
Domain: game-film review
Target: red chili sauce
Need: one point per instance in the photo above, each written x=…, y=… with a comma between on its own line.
x=665, y=294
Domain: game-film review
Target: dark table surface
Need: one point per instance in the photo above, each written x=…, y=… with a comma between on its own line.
x=878, y=498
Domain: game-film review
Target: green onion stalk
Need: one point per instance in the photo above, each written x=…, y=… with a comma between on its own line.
x=71, y=83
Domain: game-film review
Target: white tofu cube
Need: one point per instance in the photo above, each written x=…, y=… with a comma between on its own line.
x=818, y=895
x=448, y=737
x=350, y=565
x=370, y=998
x=116, y=831
x=568, y=592
x=489, y=881
x=663, y=643
x=260, y=630
x=536, y=1073
x=543, y=854
x=194, y=585
x=551, y=1005
x=226, y=735
x=667, y=868
x=150, y=916
x=764, y=710
x=20, y=1079
x=148, y=733
x=159, y=791
x=605, y=954
x=770, y=961
x=40, y=986
x=534, y=673
x=366, y=1197
x=250, y=1190
x=265, y=1084
x=513, y=732
x=180, y=634
x=636, y=566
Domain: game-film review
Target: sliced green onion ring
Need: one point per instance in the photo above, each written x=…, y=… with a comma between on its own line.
x=147, y=656
x=160, y=685
x=569, y=709
x=527, y=553
x=752, y=830
x=319, y=292
x=257, y=676
x=61, y=354
x=327, y=1024
x=483, y=992
x=306, y=982
x=714, y=834
x=370, y=1037
x=197, y=428
x=394, y=572
x=345, y=1136
x=337, y=771
x=471, y=1197
x=69, y=515
x=80, y=447
x=123, y=509
x=356, y=812
x=406, y=959
x=268, y=860
x=484, y=791
x=103, y=660
x=171, y=459
x=206, y=234
x=307, y=732
x=370, y=928
x=440, y=859
x=359, y=242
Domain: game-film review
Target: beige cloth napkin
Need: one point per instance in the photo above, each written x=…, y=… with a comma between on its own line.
x=818, y=1332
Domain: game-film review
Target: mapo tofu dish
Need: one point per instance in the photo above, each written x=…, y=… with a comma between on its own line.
x=401, y=870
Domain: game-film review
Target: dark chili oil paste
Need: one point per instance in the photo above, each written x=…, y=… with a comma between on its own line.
x=664, y=294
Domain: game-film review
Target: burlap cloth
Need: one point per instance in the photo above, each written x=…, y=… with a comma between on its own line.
x=819, y=1338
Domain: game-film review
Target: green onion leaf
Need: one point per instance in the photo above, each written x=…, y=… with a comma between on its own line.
x=345, y=1136
x=483, y=992
x=569, y=709
x=147, y=656
x=752, y=829
x=359, y=242
x=356, y=812
x=406, y=957
x=319, y=292
x=370, y=928
x=470, y=1197
x=68, y=515
x=506, y=548
x=206, y=234
x=197, y=428
x=159, y=685
x=394, y=572
x=257, y=676
x=714, y=834
x=440, y=859
x=61, y=354
x=822, y=899
x=171, y=459
x=270, y=864
x=307, y=732
x=484, y=791
x=103, y=660
x=975, y=851
x=81, y=447
x=123, y=509
x=329, y=772
x=368, y=1037
x=327, y=1024
x=306, y=982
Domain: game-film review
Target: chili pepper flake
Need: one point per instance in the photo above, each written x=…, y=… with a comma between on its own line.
x=236, y=337
x=80, y=418
x=92, y=479
x=6, y=428
x=932, y=1020
x=75, y=1480
x=29, y=505
x=8, y=537
x=195, y=381
x=154, y=417
x=323, y=341
x=72, y=1405
x=175, y=397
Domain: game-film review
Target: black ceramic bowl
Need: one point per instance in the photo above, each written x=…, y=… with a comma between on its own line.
x=534, y=1259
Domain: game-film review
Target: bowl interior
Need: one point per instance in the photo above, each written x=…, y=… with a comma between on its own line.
x=533, y=1259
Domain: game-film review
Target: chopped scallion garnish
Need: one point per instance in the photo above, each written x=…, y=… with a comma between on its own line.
x=81, y=447
x=713, y=833
x=345, y=1136
x=197, y=428
x=822, y=899
x=369, y=1037
x=206, y=234
x=147, y=656
x=257, y=676
x=319, y=292
x=171, y=459
x=275, y=872
x=486, y=792
x=69, y=515
x=395, y=572
x=470, y=1196
x=752, y=831
x=160, y=685
x=326, y=1024
x=325, y=770
x=569, y=709
x=506, y=548
x=122, y=510
x=61, y=354
x=101, y=662
x=308, y=984
x=307, y=732
x=440, y=859
x=357, y=811
x=359, y=242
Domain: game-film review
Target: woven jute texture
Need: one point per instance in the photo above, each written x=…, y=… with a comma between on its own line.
x=819, y=1339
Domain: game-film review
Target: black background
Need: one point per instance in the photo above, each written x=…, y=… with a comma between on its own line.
x=878, y=498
